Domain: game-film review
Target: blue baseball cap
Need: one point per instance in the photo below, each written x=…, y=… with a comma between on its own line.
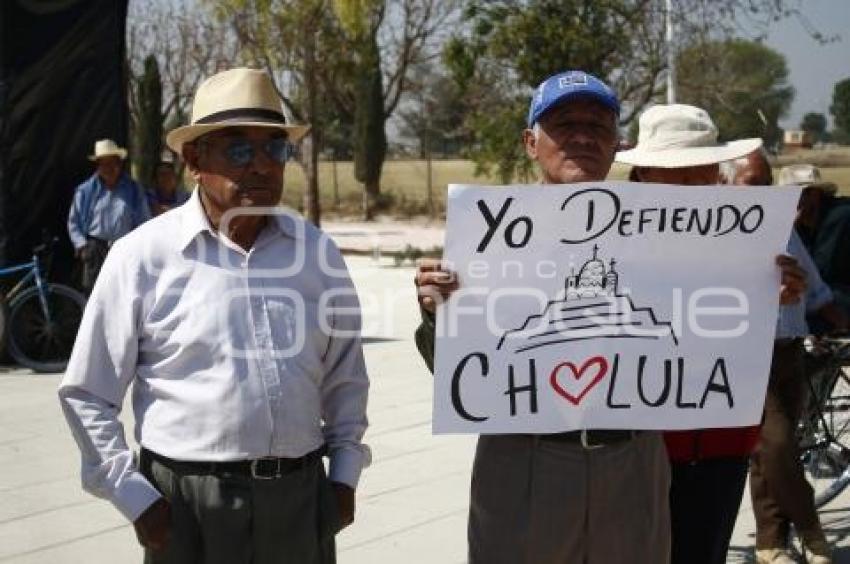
x=566, y=86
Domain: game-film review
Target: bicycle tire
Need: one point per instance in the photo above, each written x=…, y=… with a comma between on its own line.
x=37, y=344
x=827, y=463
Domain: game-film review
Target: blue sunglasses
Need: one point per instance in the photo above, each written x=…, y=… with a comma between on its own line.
x=240, y=152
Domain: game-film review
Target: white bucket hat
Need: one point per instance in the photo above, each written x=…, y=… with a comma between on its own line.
x=238, y=97
x=805, y=175
x=678, y=136
x=107, y=148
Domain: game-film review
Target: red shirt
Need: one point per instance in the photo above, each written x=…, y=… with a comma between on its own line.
x=691, y=446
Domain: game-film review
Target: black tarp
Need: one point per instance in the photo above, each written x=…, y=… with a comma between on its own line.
x=62, y=86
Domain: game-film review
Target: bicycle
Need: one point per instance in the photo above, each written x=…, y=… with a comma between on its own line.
x=824, y=428
x=41, y=318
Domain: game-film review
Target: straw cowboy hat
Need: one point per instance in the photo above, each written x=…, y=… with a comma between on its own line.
x=234, y=98
x=677, y=136
x=107, y=148
x=805, y=175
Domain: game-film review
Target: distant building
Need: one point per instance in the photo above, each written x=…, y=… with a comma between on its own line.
x=796, y=139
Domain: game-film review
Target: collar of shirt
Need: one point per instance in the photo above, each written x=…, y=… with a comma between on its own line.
x=195, y=222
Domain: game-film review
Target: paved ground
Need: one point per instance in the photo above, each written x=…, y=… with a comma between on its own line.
x=412, y=501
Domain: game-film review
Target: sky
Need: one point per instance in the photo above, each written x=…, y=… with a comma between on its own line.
x=814, y=69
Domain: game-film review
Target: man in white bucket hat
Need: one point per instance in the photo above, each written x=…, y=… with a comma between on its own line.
x=238, y=325
x=105, y=207
x=677, y=144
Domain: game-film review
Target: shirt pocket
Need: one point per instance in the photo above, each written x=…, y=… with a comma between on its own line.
x=300, y=331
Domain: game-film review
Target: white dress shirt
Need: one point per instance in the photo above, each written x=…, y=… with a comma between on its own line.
x=233, y=354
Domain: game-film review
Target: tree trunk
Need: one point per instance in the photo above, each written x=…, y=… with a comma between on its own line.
x=310, y=161
x=310, y=146
x=149, y=131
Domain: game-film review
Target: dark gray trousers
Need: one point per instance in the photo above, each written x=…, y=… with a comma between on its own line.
x=538, y=501
x=233, y=519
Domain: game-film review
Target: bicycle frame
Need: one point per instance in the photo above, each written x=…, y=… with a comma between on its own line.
x=34, y=274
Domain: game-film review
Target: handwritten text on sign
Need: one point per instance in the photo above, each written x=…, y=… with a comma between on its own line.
x=608, y=305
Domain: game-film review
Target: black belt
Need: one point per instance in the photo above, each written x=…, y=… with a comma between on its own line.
x=592, y=438
x=258, y=469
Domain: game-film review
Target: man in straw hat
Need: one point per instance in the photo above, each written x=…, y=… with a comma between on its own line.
x=590, y=496
x=105, y=207
x=677, y=144
x=781, y=495
x=239, y=327
x=814, y=201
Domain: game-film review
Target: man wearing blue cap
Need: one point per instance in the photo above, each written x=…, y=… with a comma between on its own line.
x=590, y=496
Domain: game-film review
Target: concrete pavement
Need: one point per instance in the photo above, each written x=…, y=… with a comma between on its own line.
x=412, y=501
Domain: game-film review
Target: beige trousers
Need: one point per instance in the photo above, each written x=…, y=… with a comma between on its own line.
x=540, y=501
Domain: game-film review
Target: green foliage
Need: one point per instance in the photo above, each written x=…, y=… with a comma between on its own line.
x=510, y=46
x=742, y=84
x=149, y=130
x=370, y=141
x=815, y=124
x=840, y=108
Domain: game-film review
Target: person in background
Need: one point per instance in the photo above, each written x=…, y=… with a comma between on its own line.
x=105, y=207
x=167, y=193
x=677, y=144
x=823, y=222
x=781, y=495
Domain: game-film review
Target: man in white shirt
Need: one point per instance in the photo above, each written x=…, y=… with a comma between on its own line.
x=238, y=325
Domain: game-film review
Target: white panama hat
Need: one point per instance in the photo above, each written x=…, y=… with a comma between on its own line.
x=239, y=97
x=107, y=148
x=678, y=136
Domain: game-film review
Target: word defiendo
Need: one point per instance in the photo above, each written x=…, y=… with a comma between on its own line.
x=652, y=387
x=602, y=211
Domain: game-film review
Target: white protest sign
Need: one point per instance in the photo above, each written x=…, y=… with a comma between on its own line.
x=608, y=305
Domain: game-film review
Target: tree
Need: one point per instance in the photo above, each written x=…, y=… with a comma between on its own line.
x=840, y=108
x=289, y=39
x=149, y=126
x=742, y=84
x=434, y=113
x=362, y=19
x=189, y=45
x=387, y=39
x=504, y=48
x=507, y=47
x=814, y=124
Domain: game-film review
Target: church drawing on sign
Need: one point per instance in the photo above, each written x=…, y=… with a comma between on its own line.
x=593, y=280
x=590, y=306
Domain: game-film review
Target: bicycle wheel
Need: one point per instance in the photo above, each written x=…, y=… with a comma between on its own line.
x=35, y=342
x=827, y=455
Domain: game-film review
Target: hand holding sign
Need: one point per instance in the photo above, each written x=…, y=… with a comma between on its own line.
x=433, y=283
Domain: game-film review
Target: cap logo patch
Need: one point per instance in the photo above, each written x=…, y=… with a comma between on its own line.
x=572, y=80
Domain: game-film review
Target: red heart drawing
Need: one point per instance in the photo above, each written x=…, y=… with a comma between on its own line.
x=577, y=373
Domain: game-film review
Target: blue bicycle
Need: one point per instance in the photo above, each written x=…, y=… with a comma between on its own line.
x=41, y=318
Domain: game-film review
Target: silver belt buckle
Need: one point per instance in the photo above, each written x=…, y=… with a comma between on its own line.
x=585, y=444
x=262, y=476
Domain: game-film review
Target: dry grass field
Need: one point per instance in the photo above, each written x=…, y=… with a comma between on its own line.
x=405, y=190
